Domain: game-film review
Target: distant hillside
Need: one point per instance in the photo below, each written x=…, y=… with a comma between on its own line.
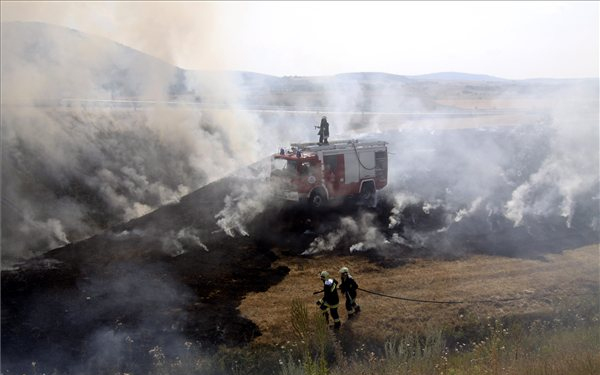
x=370, y=77
x=67, y=63
x=456, y=76
x=442, y=76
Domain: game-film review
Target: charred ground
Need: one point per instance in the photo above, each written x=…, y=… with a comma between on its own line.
x=128, y=282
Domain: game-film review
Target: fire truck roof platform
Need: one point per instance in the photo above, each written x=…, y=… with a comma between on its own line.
x=336, y=145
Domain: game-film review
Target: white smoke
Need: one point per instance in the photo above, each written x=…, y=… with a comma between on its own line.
x=464, y=212
x=362, y=231
x=51, y=229
x=565, y=177
x=177, y=243
x=248, y=200
x=327, y=242
x=401, y=201
x=74, y=158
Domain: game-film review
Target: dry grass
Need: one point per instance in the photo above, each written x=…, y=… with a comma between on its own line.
x=543, y=282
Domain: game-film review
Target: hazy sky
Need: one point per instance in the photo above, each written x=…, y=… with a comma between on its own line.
x=507, y=39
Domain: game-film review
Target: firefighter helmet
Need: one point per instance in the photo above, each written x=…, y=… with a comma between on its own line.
x=324, y=275
x=344, y=270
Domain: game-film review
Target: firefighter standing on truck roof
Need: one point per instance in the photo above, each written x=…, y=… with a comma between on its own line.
x=330, y=301
x=323, y=131
x=348, y=288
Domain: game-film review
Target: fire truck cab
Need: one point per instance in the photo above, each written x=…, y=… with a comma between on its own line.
x=318, y=173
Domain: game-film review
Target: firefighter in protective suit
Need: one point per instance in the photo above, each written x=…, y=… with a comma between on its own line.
x=330, y=301
x=348, y=288
x=323, y=131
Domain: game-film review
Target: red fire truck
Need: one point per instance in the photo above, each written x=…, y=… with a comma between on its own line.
x=331, y=172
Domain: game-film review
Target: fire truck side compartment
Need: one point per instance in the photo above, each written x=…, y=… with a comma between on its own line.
x=352, y=172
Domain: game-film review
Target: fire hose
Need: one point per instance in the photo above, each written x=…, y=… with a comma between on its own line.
x=445, y=302
x=433, y=301
x=453, y=302
x=465, y=301
x=358, y=158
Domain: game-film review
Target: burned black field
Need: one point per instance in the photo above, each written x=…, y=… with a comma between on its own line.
x=124, y=282
x=175, y=275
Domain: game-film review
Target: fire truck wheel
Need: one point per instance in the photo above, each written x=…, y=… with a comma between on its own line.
x=316, y=199
x=368, y=195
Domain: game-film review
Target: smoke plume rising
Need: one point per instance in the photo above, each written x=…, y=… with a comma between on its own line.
x=76, y=164
x=89, y=142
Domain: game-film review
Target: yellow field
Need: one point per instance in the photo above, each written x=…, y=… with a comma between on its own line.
x=545, y=284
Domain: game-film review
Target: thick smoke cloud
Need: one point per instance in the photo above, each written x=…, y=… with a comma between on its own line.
x=481, y=187
x=75, y=163
x=568, y=175
x=74, y=166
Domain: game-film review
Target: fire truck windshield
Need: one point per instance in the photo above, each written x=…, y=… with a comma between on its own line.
x=283, y=165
